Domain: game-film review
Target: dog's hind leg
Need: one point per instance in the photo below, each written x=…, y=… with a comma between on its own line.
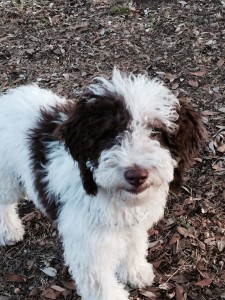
x=11, y=228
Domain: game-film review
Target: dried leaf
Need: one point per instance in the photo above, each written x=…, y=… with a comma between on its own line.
x=193, y=83
x=69, y=284
x=204, y=282
x=165, y=286
x=50, y=294
x=179, y=292
x=221, y=148
x=147, y=294
x=57, y=288
x=209, y=113
x=211, y=147
x=222, y=274
x=201, y=266
x=221, y=244
x=210, y=241
x=152, y=232
x=222, y=109
x=183, y=231
x=14, y=278
x=49, y=271
x=199, y=73
x=175, y=86
x=201, y=245
x=30, y=263
x=157, y=263
x=220, y=63
x=33, y=292
x=170, y=76
x=174, y=239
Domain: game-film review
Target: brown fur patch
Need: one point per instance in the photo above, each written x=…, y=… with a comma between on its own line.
x=39, y=138
x=186, y=142
x=91, y=128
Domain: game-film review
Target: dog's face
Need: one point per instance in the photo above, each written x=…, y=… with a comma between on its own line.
x=127, y=138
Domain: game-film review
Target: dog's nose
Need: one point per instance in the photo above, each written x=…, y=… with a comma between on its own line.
x=136, y=176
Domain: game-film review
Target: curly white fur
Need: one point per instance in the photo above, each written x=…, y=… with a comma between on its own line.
x=104, y=237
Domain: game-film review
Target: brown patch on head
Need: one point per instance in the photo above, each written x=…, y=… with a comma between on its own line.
x=185, y=142
x=92, y=127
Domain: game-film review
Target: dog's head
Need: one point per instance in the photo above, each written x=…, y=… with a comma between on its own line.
x=131, y=134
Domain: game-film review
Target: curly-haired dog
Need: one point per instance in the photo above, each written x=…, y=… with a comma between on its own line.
x=102, y=167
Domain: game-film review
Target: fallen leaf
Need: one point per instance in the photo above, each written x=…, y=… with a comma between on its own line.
x=209, y=113
x=174, y=239
x=57, y=288
x=210, y=241
x=221, y=148
x=220, y=63
x=165, y=286
x=179, y=292
x=180, y=278
x=193, y=83
x=30, y=263
x=175, y=86
x=183, y=231
x=33, y=292
x=211, y=147
x=204, y=282
x=201, y=266
x=50, y=294
x=221, y=244
x=199, y=73
x=198, y=159
x=69, y=284
x=222, y=109
x=170, y=76
x=222, y=274
x=157, y=263
x=66, y=294
x=14, y=278
x=152, y=232
x=49, y=271
x=147, y=294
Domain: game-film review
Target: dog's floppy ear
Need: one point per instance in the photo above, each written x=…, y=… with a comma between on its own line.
x=74, y=133
x=186, y=142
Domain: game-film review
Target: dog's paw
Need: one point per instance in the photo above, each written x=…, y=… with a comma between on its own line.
x=140, y=276
x=11, y=234
x=113, y=293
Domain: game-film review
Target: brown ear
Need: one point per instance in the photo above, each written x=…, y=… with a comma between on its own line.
x=74, y=134
x=186, y=143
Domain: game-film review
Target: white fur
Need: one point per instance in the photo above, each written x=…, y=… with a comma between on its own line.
x=104, y=237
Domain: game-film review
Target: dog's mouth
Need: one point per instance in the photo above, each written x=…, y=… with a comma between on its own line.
x=138, y=190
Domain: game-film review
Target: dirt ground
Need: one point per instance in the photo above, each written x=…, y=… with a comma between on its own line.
x=62, y=45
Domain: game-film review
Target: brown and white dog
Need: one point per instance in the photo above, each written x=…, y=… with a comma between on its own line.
x=102, y=167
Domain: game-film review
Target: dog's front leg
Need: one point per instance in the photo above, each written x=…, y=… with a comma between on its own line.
x=92, y=256
x=134, y=268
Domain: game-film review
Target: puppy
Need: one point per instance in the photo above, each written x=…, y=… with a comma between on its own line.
x=102, y=167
